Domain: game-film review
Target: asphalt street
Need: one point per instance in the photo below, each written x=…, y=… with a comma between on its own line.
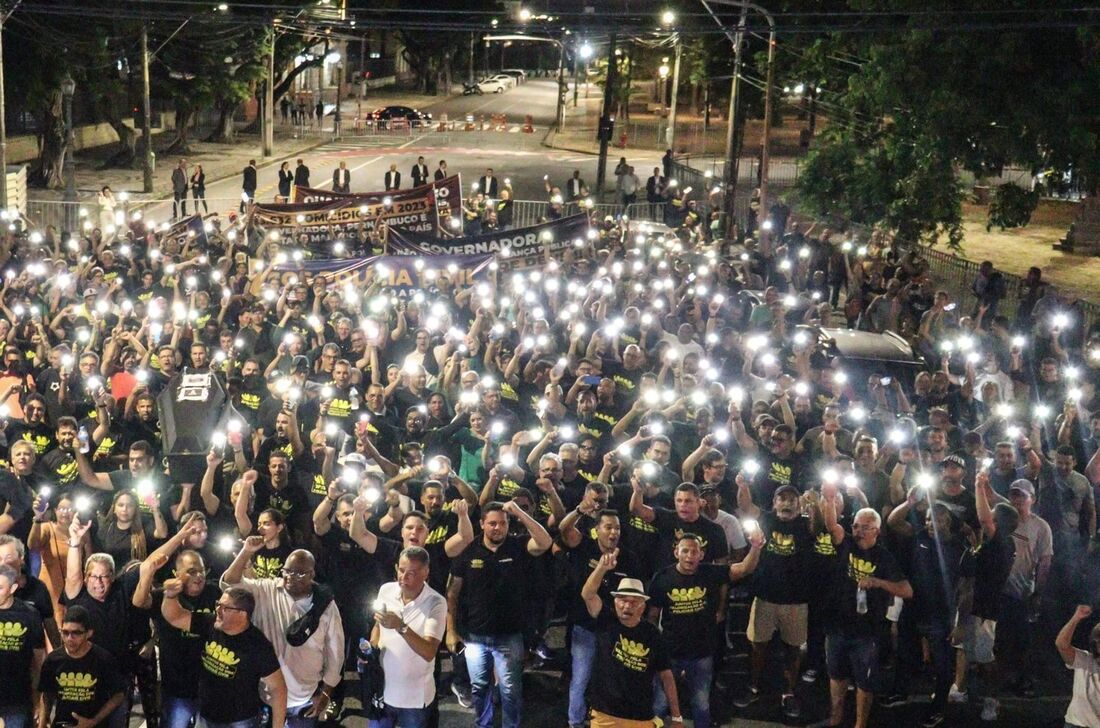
x=512, y=154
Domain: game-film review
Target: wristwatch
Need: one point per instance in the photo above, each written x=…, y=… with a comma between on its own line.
x=403, y=629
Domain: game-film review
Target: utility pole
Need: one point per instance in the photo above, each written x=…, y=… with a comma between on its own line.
x=766, y=235
x=470, y=74
x=606, y=119
x=560, y=115
x=731, y=130
x=675, y=95
x=268, y=141
x=148, y=160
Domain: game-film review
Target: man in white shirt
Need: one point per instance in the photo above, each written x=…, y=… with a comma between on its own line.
x=410, y=620
x=311, y=652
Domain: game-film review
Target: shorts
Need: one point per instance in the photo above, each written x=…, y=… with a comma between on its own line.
x=790, y=619
x=977, y=639
x=603, y=720
x=853, y=658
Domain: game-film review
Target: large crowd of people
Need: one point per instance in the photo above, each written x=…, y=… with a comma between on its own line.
x=419, y=486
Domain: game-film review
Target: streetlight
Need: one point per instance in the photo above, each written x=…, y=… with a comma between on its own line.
x=524, y=15
x=333, y=59
x=68, y=88
x=668, y=18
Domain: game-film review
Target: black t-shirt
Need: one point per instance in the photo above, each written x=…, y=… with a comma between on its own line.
x=493, y=586
x=627, y=659
x=689, y=606
x=110, y=618
x=35, y=594
x=856, y=564
x=786, y=560
x=20, y=635
x=775, y=472
x=440, y=528
x=670, y=527
x=81, y=685
x=582, y=561
x=181, y=650
x=963, y=505
x=989, y=564
x=232, y=667
x=60, y=466
x=268, y=562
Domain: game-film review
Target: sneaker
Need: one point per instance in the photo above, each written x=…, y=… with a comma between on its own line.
x=809, y=676
x=544, y=652
x=893, y=700
x=956, y=695
x=932, y=720
x=746, y=698
x=791, y=708
x=462, y=696
x=989, y=709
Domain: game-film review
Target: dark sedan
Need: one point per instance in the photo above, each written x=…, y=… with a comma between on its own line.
x=414, y=117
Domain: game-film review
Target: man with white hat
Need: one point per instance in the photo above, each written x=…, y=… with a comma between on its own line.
x=629, y=653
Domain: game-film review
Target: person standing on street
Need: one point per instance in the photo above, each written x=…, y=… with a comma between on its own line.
x=248, y=184
x=441, y=172
x=198, y=188
x=286, y=181
x=630, y=653
x=393, y=178
x=486, y=604
x=419, y=172
x=302, y=621
x=179, y=190
x=410, y=621
x=628, y=187
x=341, y=178
x=236, y=659
x=489, y=185
x=301, y=175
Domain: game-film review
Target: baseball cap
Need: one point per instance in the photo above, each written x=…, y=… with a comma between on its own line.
x=708, y=489
x=90, y=293
x=953, y=460
x=300, y=362
x=785, y=490
x=1023, y=485
x=630, y=588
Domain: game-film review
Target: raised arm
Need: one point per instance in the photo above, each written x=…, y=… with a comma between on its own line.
x=1064, y=640
x=590, y=592
x=457, y=543
x=74, y=569
x=358, y=531
x=540, y=541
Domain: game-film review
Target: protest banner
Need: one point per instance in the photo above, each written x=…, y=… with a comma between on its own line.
x=402, y=273
x=427, y=210
x=515, y=249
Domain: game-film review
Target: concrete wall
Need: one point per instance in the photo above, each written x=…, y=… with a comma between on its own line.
x=25, y=148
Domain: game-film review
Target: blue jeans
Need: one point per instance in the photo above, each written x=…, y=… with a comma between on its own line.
x=697, y=672
x=402, y=718
x=15, y=717
x=583, y=650
x=504, y=655
x=178, y=712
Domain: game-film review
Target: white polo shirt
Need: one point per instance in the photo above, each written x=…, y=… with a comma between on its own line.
x=409, y=677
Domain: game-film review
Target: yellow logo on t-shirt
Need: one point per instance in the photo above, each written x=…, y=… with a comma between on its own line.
x=477, y=564
x=219, y=661
x=823, y=544
x=76, y=687
x=11, y=636
x=859, y=568
x=631, y=654
x=438, y=535
x=687, y=601
x=781, y=544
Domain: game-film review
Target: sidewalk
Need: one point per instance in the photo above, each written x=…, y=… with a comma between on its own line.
x=219, y=161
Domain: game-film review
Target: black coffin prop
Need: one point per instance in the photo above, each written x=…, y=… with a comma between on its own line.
x=192, y=407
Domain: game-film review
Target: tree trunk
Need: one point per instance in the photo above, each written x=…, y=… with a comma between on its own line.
x=226, y=131
x=49, y=167
x=185, y=114
x=127, y=145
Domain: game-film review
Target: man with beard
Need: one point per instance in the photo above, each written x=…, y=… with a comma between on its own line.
x=626, y=376
x=954, y=494
x=303, y=623
x=180, y=651
x=281, y=488
x=286, y=438
x=250, y=394
x=99, y=693
x=141, y=472
x=630, y=655
x=777, y=466
x=589, y=532
x=341, y=397
x=236, y=658
x=141, y=420
x=34, y=427
x=485, y=600
x=781, y=589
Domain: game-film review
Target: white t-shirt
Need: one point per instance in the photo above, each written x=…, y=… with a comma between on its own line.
x=1084, y=706
x=735, y=535
x=1033, y=543
x=409, y=677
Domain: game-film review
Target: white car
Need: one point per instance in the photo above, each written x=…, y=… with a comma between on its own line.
x=495, y=84
x=518, y=74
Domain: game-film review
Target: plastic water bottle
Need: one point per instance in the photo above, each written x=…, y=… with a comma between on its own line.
x=861, y=601
x=364, y=653
x=82, y=436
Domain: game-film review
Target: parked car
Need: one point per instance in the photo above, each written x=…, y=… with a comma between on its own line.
x=747, y=300
x=508, y=81
x=495, y=84
x=415, y=117
x=862, y=354
x=517, y=73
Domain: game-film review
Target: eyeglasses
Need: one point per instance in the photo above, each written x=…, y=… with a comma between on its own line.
x=219, y=607
x=287, y=574
x=100, y=577
x=73, y=632
x=197, y=572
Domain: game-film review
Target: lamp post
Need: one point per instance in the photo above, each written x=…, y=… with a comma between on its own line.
x=668, y=19
x=68, y=88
